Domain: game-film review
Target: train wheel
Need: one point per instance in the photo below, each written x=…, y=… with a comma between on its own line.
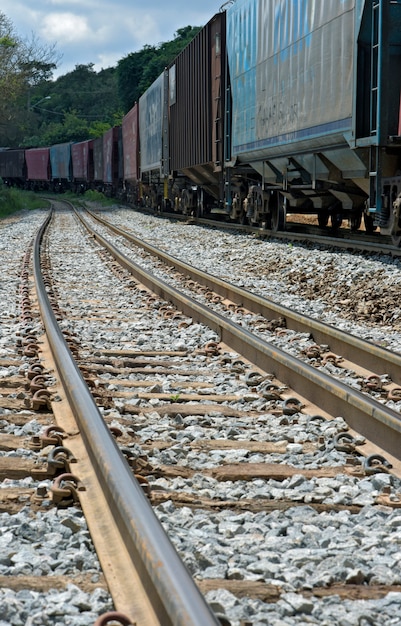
x=336, y=220
x=185, y=202
x=355, y=221
x=243, y=219
x=322, y=219
x=396, y=239
x=278, y=215
x=369, y=223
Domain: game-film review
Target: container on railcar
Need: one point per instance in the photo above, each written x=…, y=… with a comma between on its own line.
x=38, y=168
x=13, y=167
x=61, y=166
x=196, y=113
x=314, y=112
x=291, y=70
x=111, y=155
x=153, y=137
x=82, y=165
x=130, y=140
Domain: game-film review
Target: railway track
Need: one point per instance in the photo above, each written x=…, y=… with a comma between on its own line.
x=300, y=232
x=207, y=404
x=257, y=321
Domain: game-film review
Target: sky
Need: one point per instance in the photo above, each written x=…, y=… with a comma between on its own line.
x=103, y=31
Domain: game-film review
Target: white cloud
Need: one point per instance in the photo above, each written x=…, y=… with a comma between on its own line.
x=64, y=28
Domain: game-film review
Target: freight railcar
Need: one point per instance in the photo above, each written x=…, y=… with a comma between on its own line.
x=130, y=156
x=153, y=138
x=112, y=152
x=196, y=113
x=98, y=170
x=13, y=167
x=61, y=166
x=82, y=165
x=38, y=175
x=315, y=90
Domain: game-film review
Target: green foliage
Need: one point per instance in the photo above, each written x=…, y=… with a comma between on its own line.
x=79, y=105
x=23, y=64
x=12, y=200
x=98, y=198
x=138, y=70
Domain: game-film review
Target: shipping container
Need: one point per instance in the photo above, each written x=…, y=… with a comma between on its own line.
x=60, y=160
x=82, y=161
x=197, y=105
x=130, y=135
x=12, y=166
x=38, y=164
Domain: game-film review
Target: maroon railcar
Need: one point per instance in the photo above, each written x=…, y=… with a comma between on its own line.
x=38, y=167
x=130, y=139
x=82, y=164
x=197, y=87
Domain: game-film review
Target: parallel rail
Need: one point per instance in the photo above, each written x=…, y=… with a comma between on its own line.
x=366, y=415
x=162, y=592
x=367, y=354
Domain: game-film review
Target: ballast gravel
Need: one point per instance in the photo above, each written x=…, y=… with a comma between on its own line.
x=356, y=294
x=296, y=549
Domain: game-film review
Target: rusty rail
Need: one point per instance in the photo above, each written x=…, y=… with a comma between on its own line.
x=166, y=584
x=366, y=415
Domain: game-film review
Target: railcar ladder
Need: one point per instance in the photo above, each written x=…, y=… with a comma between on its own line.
x=375, y=75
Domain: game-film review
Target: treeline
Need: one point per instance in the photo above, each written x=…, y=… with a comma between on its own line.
x=83, y=103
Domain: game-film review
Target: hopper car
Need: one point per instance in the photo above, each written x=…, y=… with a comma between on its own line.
x=276, y=107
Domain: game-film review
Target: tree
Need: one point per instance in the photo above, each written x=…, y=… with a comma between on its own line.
x=137, y=71
x=23, y=64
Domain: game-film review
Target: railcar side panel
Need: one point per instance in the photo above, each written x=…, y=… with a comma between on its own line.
x=98, y=159
x=110, y=156
x=82, y=161
x=130, y=136
x=151, y=109
x=291, y=64
x=12, y=165
x=60, y=159
x=38, y=164
x=196, y=107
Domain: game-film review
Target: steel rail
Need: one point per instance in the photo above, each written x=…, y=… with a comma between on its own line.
x=339, y=240
x=173, y=594
x=366, y=354
x=369, y=417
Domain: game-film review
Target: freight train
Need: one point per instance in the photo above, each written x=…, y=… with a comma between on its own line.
x=275, y=107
